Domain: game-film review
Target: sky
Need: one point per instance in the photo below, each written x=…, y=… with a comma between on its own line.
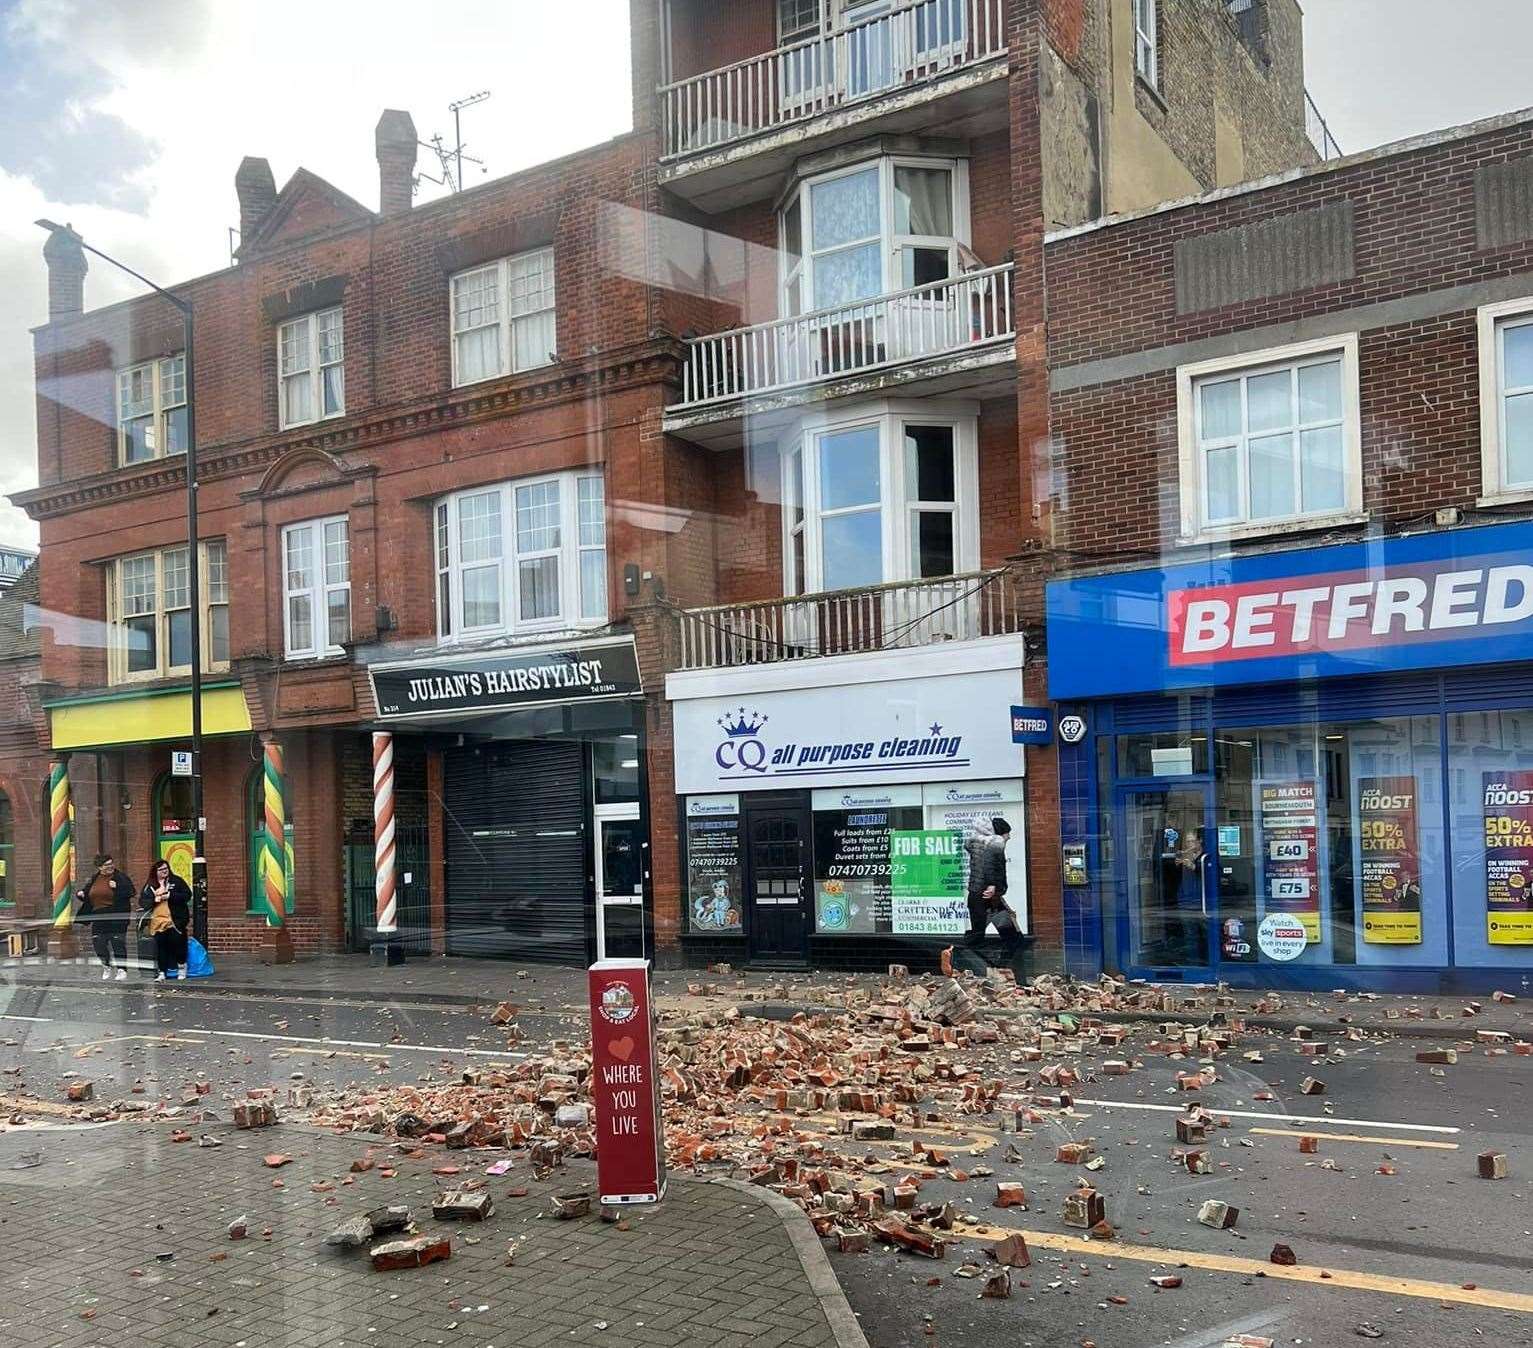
x=128, y=118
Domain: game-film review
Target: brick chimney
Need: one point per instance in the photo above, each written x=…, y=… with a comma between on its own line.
x=257, y=191
x=66, y=274
x=395, y=141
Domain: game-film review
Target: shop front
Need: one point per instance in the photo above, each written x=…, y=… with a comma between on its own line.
x=1308, y=768
x=539, y=825
x=826, y=803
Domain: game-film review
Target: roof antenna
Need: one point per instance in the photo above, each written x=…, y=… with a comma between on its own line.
x=451, y=160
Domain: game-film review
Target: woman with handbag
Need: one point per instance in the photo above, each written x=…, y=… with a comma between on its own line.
x=167, y=898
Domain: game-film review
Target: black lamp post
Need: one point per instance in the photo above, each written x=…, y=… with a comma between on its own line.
x=193, y=576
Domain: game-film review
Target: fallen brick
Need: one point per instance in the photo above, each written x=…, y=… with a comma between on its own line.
x=459, y=1205
x=1012, y=1251
x=1493, y=1165
x=1073, y=1153
x=1165, y=1280
x=1083, y=1209
x=1312, y=1086
x=276, y=1160
x=415, y=1252
x=1283, y=1256
x=1438, y=1055
x=351, y=1235
x=385, y=1221
x=997, y=1285
x=568, y=1206
x=851, y=1242
x=1309, y=1145
x=1010, y=1195
x=1217, y=1214
x=78, y=1091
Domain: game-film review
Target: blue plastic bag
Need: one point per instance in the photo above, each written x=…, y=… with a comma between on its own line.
x=198, y=965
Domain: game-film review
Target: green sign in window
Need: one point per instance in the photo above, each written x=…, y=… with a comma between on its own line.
x=926, y=882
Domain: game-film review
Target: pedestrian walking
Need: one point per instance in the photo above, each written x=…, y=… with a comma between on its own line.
x=106, y=902
x=986, y=848
x=167, y=899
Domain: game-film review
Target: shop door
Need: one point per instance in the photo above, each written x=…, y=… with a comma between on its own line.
x=777, y=854
x=619, y=883
x=1170, y=878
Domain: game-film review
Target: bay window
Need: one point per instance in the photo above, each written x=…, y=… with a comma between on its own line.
x=886, y=493
x=316, y=588
x=149, y=613
x=311, y=373
x=151, y=409
x=1506, y=400
x=524, y=556
x=503, y=317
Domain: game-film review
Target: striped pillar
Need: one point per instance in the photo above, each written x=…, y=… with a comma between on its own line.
x=274, y=853
x=61, y=837
x=383, y=830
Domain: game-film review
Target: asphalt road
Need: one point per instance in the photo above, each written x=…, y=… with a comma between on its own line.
x=1432, y=1222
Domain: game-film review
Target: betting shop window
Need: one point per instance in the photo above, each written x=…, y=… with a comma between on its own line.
x=525, y=556
x=1272, y=442
x=151, y=409
x=1506, y=399
x=503, y=317
x=311, y=373
x=316, y=588
x=149, y=613
x=881, y=495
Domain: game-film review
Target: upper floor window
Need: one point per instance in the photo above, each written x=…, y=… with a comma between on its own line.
x=311, y=373
x=886, y=494
x=524, y=556
x=885, y=226
x=316, y=588
x=1146, y=43
x=149, y=613
x=797, y=19
x=1506, y=398
x=151, y=409
x=1270, y=441
x=503, y=317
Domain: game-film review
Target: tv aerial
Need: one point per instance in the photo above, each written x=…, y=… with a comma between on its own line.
x=451, y=159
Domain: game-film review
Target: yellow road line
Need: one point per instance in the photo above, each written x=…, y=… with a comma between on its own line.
x=1350, y=1279
x=35, y=1106
x=1358, y=1137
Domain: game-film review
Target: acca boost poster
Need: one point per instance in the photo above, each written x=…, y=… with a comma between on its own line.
x=1290, y=864
x=1391, y=860
x=1508, y=798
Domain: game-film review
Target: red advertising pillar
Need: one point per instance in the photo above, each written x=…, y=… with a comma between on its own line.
x=625, y=1086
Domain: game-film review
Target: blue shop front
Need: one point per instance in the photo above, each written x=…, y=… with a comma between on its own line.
x=1306, y=768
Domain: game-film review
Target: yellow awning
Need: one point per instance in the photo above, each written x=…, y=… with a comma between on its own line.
x=141, y=718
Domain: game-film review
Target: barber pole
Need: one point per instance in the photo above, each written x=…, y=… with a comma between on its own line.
x=383, y=830
x=274, y=854
x=61, y=842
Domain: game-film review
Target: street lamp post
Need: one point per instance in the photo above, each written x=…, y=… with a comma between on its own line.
x=193, y=577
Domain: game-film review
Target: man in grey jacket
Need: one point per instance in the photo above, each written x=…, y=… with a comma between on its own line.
x=987, y=886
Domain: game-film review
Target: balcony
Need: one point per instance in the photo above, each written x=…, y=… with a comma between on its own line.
x=730, y=133
x=902, y=615
x=943, y=337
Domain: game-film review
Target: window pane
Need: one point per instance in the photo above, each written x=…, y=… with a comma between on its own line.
x=300, y=557
x=476, y=299
x=929, y=472
x=338, y=616
x=175, y=578
x=337, y=553
x=593, y=519
x=175, y=431
x=1518, y=450
x=333, y=381
x=328, y=325
x=931, y=543
x=298, y=400
x=179, y=637
x=539, y=580
x=138, y=439
x=1271, y=469
x=478, y=355
x=923, y=201
x=444, y=603
x=593, y=583
x=1269, y=401
x=530, y=278
x=443, y=538
x=300, y=623
x=172, y=381
x=1320, y=392
x=479, y=527
x=138, y=585
x=793, y=232
x=217, y=553
x=532, y=340
x=794, y=488
x=481, y=597
x=1219, y=405
x=1321, y=469
x=924, y=266
x=135, y=392
x=849, y=473
x=853, y=550
x=293, y=346
x=218, y=634
x=1517, y=355
x=847, y=276
x=845, y=209
x=537, y=517
x=1222, y=483
x=141, y=644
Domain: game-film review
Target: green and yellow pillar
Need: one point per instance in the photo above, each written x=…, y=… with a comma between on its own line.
x=61, y=854
x=275, y=898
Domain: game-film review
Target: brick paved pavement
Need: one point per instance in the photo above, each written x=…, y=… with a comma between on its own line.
x=714, y=1264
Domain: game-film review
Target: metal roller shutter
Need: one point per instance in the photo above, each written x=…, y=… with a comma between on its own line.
x=515, y=824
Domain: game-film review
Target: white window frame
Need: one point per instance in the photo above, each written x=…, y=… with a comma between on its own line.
x=1188, y=377
x=506, y=320
x=449, y=569
x=160, y=408
x=897, y=502
x=315, y=370
x=214, y=597
x=1492, y=320
x=890, y=243
x=319, y=589
x=1147, y=42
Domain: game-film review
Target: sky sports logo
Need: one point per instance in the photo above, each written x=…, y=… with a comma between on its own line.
x=1344, y=610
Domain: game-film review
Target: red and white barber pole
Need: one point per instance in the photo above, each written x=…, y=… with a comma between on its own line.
x=625, y=1086
x=383, y=831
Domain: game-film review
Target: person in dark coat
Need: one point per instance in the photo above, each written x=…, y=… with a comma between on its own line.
x=106, y=901
x=987, y=886
x=167, y=898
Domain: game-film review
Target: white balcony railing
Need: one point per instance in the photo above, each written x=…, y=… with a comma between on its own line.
x=897, y=616
x=903, y=46
x=968, y=310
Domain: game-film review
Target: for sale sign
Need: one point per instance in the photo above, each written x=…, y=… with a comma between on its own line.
x=630, y=1161
x=1290, y=864
x=1508, y=798
x=1391, y=860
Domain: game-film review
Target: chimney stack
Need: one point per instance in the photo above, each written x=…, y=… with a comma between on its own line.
x=395, y=141
x=257, y=192
x=66, y=273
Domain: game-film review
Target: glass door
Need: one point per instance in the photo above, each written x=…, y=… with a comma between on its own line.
x=1170, y=875
x=619, y=882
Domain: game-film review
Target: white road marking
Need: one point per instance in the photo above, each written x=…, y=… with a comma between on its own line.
x=1253, y=1114
x=35, y=1020
x=364, y=1043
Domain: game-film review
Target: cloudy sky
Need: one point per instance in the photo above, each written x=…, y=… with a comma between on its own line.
x=128, y=117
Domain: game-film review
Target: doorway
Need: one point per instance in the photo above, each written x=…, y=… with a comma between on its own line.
x=1170, y=874
x=777, y=847
x=619, y=857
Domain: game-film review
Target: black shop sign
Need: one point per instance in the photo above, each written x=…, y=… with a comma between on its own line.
x=506, y=682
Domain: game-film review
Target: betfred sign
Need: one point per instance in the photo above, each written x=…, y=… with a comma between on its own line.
x=1428, y=601
x=625, y=1087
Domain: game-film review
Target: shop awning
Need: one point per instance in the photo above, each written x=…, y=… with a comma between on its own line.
x=141, y=718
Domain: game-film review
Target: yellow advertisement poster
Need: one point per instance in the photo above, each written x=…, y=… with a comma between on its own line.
x=1508, y=804
x=1391, y=860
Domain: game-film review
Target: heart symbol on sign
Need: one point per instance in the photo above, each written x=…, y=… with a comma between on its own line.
x=621, y=1049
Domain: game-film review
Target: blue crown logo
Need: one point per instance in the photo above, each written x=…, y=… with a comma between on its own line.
x=743, y=725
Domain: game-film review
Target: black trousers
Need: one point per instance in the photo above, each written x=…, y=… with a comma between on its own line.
x=109, y=937
x=169, y=949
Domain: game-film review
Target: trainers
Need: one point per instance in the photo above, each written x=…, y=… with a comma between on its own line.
x=181, y=972
x=160, y=977
x=106, y=972
x=120, y=975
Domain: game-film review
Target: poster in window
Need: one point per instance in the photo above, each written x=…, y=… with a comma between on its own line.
x=851, y=866
x=1508, y=798
x=926, y=882
x=713, y=874
x=1290, y=864
x=1391, y=860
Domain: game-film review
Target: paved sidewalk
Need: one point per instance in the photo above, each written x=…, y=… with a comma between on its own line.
x=119, y=1236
